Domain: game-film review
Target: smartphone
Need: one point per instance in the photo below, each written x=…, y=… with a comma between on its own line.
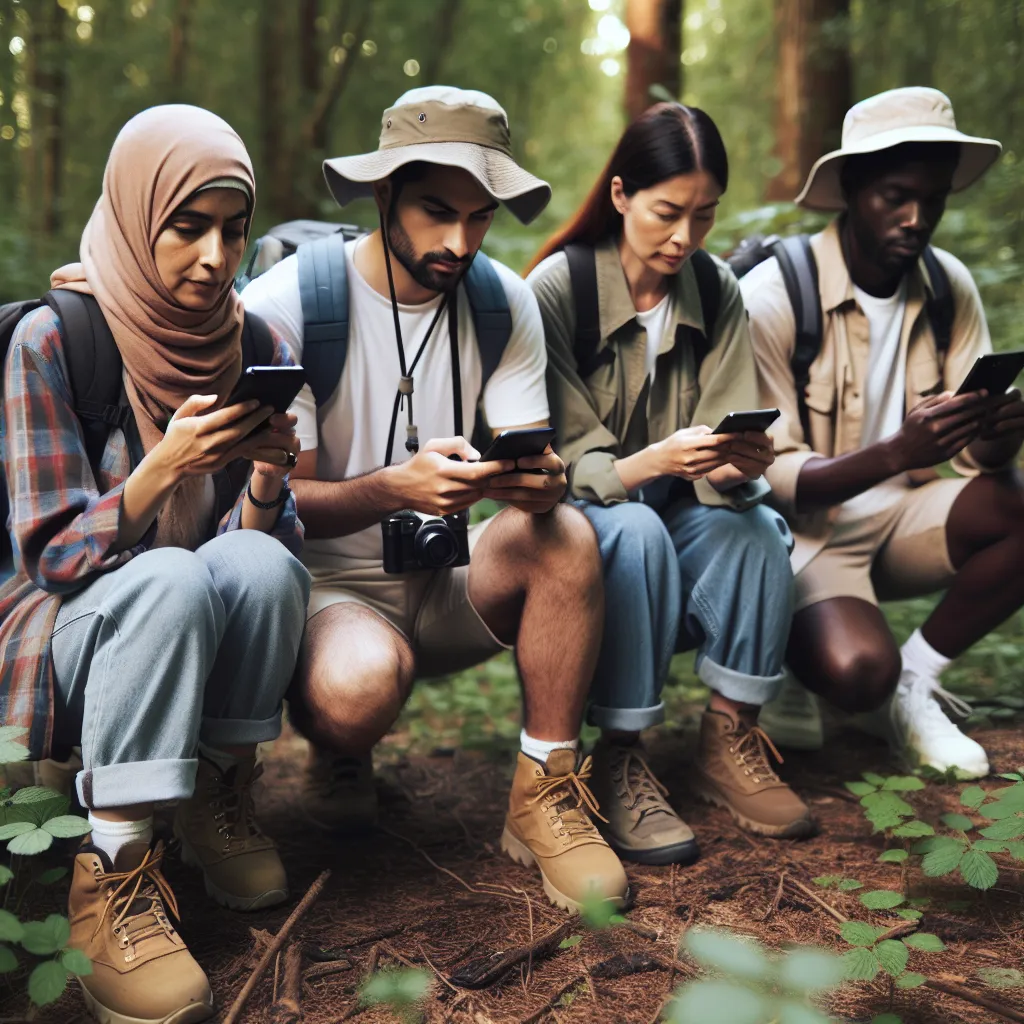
x=749, y=419
x=993, y=373
x=275, y=386
x=516, y=444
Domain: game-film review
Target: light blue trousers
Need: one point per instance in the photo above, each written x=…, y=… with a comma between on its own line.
x=172, y=648
x=692, y=576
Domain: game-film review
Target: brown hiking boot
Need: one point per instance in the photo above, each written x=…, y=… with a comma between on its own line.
x=219, y=835
x=641, y=825
x=338, y=794
x=548, y=825
x=732, y=769
x=142, y=971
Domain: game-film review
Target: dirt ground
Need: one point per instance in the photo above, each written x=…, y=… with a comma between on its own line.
x=432, y=889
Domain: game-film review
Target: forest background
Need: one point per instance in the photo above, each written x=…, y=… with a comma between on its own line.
x=303, y=79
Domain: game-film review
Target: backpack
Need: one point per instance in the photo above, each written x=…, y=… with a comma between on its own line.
x=583, y=276
x=95, y=378
x=800, y=275
x=323, y=287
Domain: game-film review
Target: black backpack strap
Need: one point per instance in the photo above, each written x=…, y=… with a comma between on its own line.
x=583, y=277
x=800, y=275
x=709, y=287
x=940, y=306
x=94, y=368
x=257, y=342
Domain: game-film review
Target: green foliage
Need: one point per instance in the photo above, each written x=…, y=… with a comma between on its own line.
x=572, y=940
x=893, y=857
x=872, y=954
x=882, y=899
x=11, y=750
x=403, y=989
x=1002, y=977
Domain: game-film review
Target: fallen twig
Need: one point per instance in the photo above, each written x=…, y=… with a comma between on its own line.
x=900, y=930
x=620, y=966
x=485, y=971
x=841, y=918
x=554, y=1000
x=234, y=1014
x=970, y=996
x=640, y=929
x=773, y=907
x=287, y=1009
x=440, y=976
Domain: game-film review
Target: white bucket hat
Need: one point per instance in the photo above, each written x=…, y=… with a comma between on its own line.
x=440, y=124
x=913, y=114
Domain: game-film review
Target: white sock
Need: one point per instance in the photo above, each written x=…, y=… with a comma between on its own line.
x=921, y=659
x=110, y=836
x=539, y=749
x=223, y=760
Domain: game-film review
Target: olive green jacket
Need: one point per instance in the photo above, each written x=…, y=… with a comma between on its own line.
x=616, y=412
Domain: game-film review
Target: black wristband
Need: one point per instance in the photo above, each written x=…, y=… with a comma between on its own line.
x=267, y=505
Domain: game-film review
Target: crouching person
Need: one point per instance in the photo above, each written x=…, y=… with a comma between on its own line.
x=434, y=329
x=158, y=608
x=648, y=350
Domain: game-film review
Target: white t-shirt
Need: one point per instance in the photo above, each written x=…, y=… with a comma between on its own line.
x=885, y=382
x=654, y=321
x=350, y=431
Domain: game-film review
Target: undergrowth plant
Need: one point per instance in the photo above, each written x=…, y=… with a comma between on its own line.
x=403, y=989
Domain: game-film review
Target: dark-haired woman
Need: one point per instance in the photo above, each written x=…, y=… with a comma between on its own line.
x=648, y=351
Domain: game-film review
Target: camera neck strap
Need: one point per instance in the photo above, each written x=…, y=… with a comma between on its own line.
x=405, y=389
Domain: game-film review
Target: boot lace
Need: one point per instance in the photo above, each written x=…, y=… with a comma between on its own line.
x=750, y=749
x=928, y=709
x=643, y=790
x=570, y=798
x=233, y=809
x=133, y=895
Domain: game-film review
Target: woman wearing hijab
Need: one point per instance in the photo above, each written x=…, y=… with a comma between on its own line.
x=158, y=608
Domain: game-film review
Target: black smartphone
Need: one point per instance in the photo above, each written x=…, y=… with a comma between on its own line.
x=517, y=444
x=275, y=386
x=749, y=419
x=993, y=373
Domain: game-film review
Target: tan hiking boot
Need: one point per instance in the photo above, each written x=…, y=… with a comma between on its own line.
x=338, y=794
x=732, y=769
x=142, y=971
x=219, y=835
x=548, y=825
x=641, y=826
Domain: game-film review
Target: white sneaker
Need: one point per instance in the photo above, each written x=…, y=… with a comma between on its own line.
x=923, y=733
x=793, y=719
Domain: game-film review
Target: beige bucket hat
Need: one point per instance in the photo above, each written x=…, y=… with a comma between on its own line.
x=440, y=124
x=913, y=114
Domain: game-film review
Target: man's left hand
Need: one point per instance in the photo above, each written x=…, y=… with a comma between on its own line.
x=1006, y=418
x=535, y=492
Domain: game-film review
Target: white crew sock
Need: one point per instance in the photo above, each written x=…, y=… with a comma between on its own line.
x=921, y=659
x=223, y=760
x=110, y=836
x=539, y=749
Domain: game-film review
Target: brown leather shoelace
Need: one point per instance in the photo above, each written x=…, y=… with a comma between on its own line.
x=755, y=744
x=574, y=818
x=141, y=892
x=644, y=791
x=233, y=807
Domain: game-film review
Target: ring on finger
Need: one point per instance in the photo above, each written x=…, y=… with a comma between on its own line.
x=291, y=460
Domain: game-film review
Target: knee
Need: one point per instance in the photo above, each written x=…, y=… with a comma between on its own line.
x=757, y=538
x=860, y=679
x=269, y=569
x=633, y=532
x=173, y=590
x=564, y=542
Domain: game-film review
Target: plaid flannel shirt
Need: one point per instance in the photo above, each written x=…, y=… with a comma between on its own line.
x=64, y=521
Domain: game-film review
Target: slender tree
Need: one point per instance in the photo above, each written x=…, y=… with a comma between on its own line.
x=655, y=41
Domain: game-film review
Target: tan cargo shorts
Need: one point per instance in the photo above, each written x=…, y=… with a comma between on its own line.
x=886, y=545
x=432, y=610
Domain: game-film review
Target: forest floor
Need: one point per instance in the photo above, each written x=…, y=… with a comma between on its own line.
x=431, y=889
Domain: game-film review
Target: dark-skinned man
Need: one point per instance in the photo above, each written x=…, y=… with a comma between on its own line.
x=858, y=448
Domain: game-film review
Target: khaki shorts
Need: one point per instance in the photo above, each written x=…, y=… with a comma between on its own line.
x=886, y=545
x=431, y=610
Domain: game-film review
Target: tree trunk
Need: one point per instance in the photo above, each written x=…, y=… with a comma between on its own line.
x=179, y=48
x=655, y=40
x=443, y=39
x=813, y=86
x=48, y=113
x=277, y=163
x=309, y=46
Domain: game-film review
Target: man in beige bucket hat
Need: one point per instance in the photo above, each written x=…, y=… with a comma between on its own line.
x=533, y=581
x=879, y=352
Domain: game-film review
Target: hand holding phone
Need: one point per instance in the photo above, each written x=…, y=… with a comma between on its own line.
x=518, y=444
x=758, y=420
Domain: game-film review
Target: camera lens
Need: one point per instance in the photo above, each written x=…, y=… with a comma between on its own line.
x=435, y=545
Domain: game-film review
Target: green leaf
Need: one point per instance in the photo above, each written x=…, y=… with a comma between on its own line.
x=858, y=933
x=46, y=937
x=913, y=830
x=67, y=826
x=903, y=784
x=597, y=912
x=46, y=983
x=893, y=857
x=788, y=1012
x=958, y=821
x=1007, y=828
x=860, y=964
x=886, y=802
x=11, y=929
x=720, y=1001
x=860, y=788
x=875, y=779
x=893, y=956
x=1012, y=776
x=973, y=796
x=909, y=915
x=76, y=962
x=51, y=876
x=911, y=980
x=15, y=828
x=6, y=874
x=882, y=899
x=989, y=845
x=887, y=1018
x=978, y=870
x=30, y=843
x=1002, y=977
x=849, y=885
x=724, y=952
x=942, y=860
x=926, y=942
x=34, y=795
x=1015, y=850
x=573, y=940
x=8, y=961
x=825, y=881
x=11, y=750
x=811, y=970
x=400, y=987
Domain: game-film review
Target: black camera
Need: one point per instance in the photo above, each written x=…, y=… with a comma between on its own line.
x=415, y=541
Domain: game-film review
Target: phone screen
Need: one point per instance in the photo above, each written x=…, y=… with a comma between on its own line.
x=517, y=444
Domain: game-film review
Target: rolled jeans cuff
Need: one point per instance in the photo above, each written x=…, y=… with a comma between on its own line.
x=739, y=686
x=137, y=782
x=220, y=732
x=626, y=719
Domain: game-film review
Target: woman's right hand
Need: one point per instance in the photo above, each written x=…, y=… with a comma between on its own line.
x=693, y=452
x=198, y=443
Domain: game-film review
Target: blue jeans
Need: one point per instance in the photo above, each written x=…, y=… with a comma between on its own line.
x=691, y=576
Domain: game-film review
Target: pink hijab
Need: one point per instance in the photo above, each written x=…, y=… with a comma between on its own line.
x=159, y=159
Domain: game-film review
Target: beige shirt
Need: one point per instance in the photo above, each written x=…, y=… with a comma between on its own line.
x=618, y=411
x=835, y=391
